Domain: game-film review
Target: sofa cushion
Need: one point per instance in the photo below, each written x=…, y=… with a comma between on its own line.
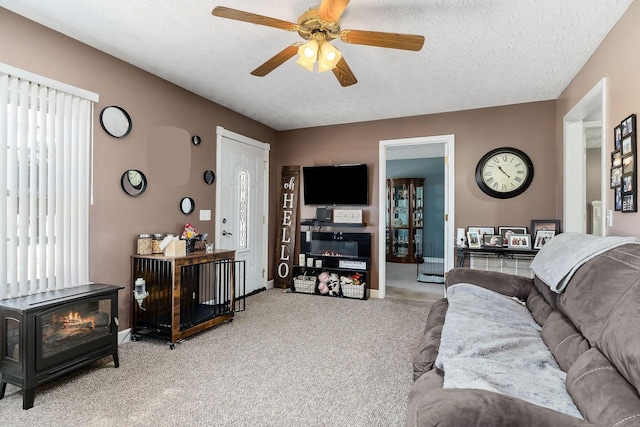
x=597, y=286
x=563, y=339
x=620, y=340
x=481, y=408
x=549, y=296
x=603, y=396
x=427, y=351
x=437, y=314
x=503, y=283
x=538, y=306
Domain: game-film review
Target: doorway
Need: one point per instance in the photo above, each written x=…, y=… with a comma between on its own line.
x=584, y=130
x=412, y=148
x=242, y=194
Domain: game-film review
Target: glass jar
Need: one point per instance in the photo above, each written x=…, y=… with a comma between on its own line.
x=145, y=245
x=155, y=243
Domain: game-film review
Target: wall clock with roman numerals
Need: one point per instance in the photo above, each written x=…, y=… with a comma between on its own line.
x=504, y=172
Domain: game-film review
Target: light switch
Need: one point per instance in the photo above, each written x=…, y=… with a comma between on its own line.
x=205, y=215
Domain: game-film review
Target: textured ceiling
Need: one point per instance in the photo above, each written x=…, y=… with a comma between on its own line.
x=477, y=53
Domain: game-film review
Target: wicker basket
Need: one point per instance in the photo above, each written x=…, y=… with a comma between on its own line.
x=353, y=291
x=305, y=284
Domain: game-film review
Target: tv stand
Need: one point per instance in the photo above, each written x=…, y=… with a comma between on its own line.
x=347, y=255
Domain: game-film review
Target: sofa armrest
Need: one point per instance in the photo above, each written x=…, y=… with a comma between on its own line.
x=506, y=284
x=447, y=407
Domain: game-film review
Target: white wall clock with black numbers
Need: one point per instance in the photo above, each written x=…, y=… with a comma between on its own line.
x=504, y=172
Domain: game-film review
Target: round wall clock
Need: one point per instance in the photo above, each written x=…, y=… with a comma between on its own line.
x=115, y=121
x=504, y=172
x=133, y=182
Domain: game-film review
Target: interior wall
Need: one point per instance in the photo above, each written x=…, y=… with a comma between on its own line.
x=116, y=218
x=614, y=60
x=529, y=127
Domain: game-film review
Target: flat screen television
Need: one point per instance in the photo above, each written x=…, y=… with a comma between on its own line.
x=336, y=185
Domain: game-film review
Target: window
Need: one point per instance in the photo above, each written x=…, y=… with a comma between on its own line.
x=243, y=209
x=45, y=165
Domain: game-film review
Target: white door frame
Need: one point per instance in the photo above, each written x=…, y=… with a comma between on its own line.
x=449, y=202
x=224, y=133
x=574, y=163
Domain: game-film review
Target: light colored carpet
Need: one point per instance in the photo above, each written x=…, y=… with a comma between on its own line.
x=289, y=360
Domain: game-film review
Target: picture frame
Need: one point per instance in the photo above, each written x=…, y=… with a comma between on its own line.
x=519, y=241
x=482, y=231
x=616, y=158
x=628, y=125
x=627, y=183
x=542, y=237
x=473, y=240
x=506, y=231
x=627, y=146
x=628, y=165
x=544, y=224
x=624, y=179
x=617, y=137
x=629, y=202
x=492, y=241
x=616, y=177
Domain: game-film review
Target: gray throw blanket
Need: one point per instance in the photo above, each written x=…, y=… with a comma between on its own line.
x=561, y=256
x=491, y=342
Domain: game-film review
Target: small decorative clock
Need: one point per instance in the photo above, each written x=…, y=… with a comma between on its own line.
x=504, y=172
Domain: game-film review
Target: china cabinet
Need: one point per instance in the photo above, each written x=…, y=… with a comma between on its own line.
x=404, y=219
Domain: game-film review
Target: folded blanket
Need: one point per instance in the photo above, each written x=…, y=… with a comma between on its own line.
x=491, y=342
x=561, y=256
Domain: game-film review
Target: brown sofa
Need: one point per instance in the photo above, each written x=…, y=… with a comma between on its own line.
x=592, y=329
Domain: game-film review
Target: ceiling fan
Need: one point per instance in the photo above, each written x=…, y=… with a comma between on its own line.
x=318, y=26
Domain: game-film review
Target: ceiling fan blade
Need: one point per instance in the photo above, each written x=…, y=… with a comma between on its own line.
x=330, y=10
x=344, y=74
x=390, y=40
x=276, y=61
x=239, y=15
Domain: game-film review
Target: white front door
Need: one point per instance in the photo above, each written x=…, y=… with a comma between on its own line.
x=241, y=196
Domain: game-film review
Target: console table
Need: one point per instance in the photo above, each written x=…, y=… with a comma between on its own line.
x=513, y=261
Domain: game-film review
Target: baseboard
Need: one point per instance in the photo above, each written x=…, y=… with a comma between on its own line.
x=374, y=293
x=270, y=284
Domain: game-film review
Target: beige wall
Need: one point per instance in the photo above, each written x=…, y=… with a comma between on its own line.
x=115, y=218
x=529, y=127
x=618, y=60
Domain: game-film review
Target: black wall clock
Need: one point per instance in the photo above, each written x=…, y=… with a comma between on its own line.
x=504, y=172
x=196, y=140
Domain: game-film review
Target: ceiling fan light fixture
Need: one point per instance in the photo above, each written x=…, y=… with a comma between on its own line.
x=307, y=54
x=328, y=58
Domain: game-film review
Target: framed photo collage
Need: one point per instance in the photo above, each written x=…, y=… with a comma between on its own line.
x=624, y=180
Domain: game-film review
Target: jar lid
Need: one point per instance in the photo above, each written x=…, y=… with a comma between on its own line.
x=144, y=236
x=158, y=235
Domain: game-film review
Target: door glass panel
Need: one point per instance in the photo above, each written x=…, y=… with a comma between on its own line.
x=243, y=209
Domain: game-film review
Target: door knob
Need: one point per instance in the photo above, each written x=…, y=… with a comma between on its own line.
x=226, y=233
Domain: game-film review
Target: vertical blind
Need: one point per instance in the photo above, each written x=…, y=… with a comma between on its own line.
x=45, y=166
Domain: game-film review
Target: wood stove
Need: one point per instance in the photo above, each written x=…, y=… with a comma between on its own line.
x=47, y=335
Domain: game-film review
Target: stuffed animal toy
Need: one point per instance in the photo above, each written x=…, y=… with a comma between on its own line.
x=334, y=286
x=323, y=282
